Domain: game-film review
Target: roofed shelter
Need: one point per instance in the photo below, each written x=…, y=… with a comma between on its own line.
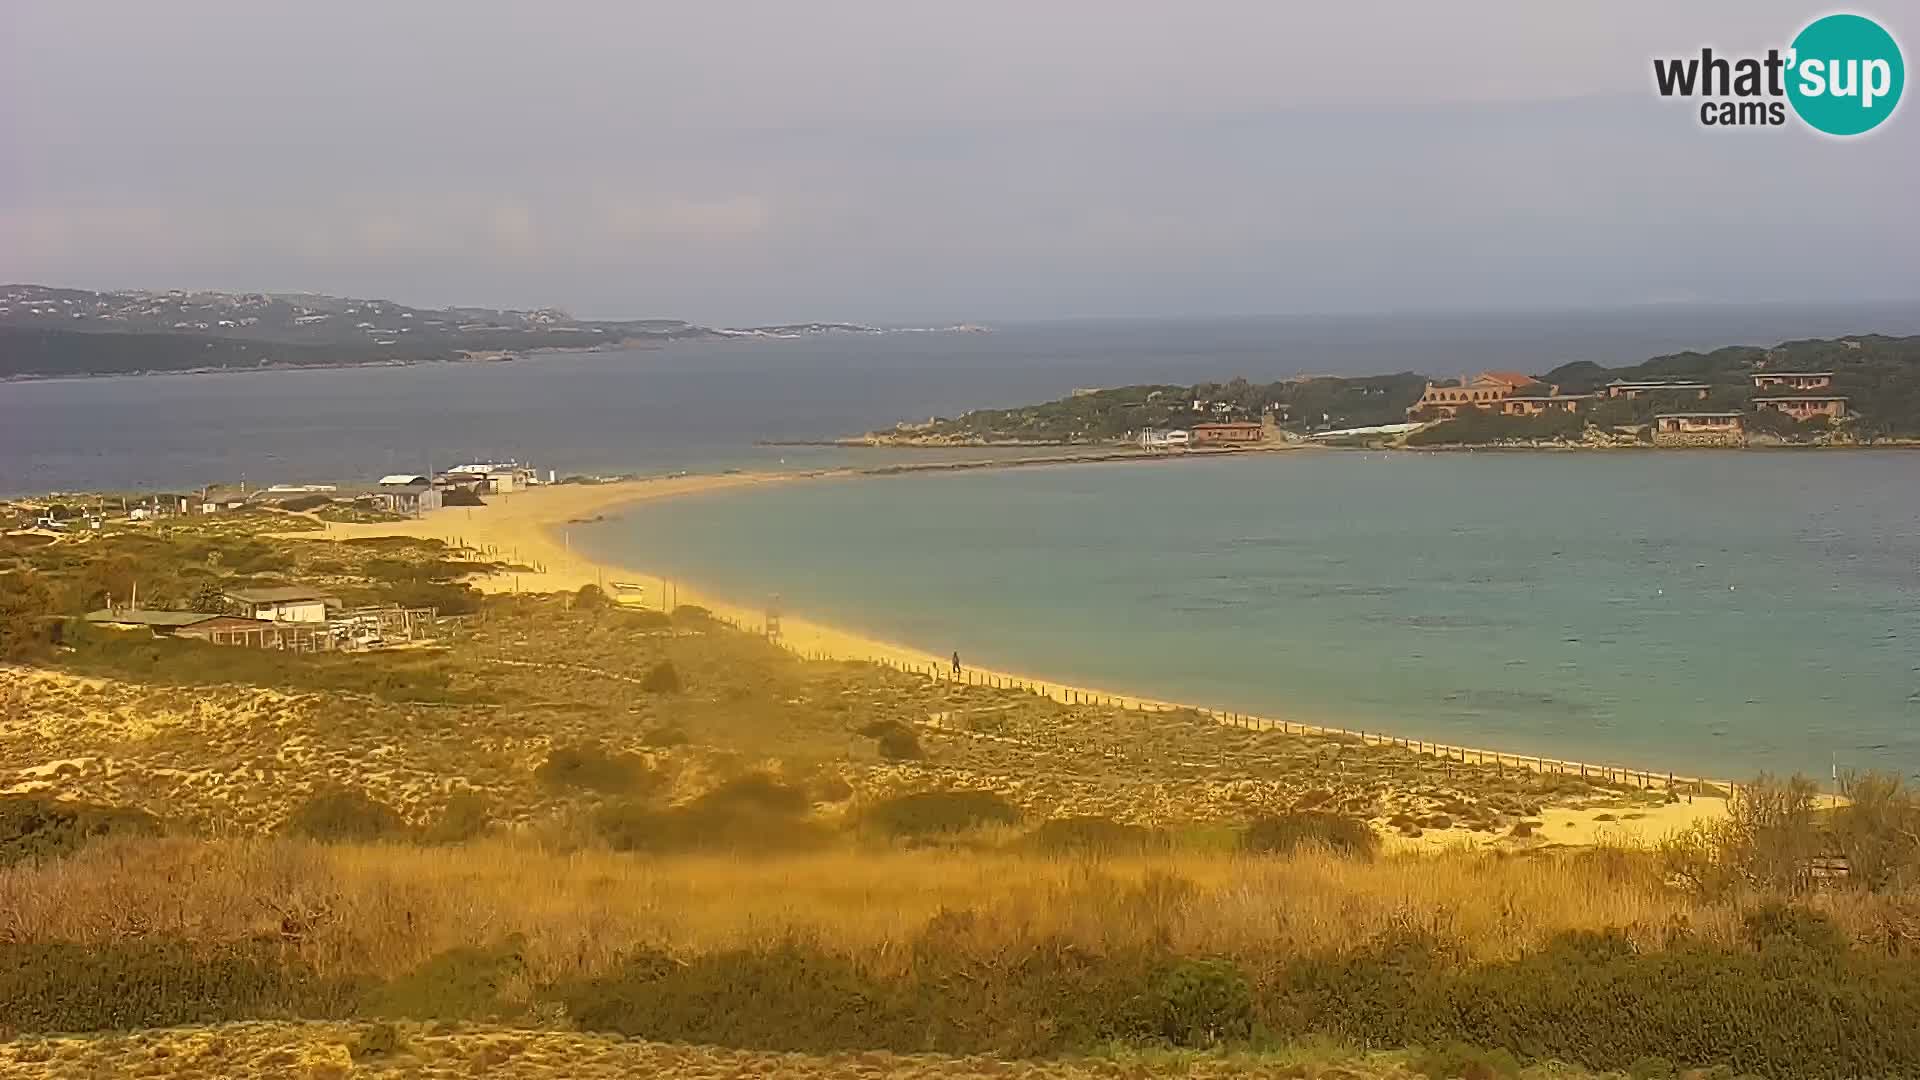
x=283, y=603
x=160, y=622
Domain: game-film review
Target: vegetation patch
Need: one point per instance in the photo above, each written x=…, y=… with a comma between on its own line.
x=1283, y=834
x=1090, y=835
x=345, y=816
x=37, y=828
x=590, y=766
x=924, y=813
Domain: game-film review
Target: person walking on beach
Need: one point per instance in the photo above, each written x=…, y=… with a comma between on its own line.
x=956, y=663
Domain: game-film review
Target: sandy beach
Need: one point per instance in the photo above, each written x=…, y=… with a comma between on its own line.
x=530, y=528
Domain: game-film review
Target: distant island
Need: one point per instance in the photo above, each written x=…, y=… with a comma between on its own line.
x=48, y=332
x=1858, y=390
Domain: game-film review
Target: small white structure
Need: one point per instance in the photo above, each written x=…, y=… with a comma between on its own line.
x=407, y=493
x=283, y=603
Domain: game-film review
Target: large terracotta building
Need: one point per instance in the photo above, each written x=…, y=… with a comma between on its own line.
x=1483, y=391
x=1230, y=433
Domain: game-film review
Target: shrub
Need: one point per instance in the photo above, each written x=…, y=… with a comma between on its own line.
x=463, y=983
x=591, y=766
x=1770, y=835
x=662, y=678
x=343, y=816
x=377, y=1041
x=302, y=503
x=753, y=793
x=156, y=982
x=1283, y=834
x=753, y=814
x=588, y=598
x=900, y=744
x=466, y=816
x=1878, y=830
x=1776, y=925
x=832, y=788
x=25, y=605
x=1593, y=999
x=670, y=735
x=794, y=996
x=926, y=812
x=1096, y=836
x=643, y=619
x=1203, y=1003
x=461, y=497
x=37, y=828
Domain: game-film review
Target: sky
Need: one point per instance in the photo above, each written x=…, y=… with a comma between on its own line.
x=733, y=161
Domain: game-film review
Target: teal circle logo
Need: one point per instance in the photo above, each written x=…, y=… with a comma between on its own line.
x=1845, y=75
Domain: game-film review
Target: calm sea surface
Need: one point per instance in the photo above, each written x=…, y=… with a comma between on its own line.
x=1715, y=613
x=1701, y=612
x=703, y=405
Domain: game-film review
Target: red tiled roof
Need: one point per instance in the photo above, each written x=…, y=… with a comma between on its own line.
x=1511, y=378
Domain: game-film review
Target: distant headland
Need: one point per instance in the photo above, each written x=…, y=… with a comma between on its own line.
x=1861, y=390
x=48, y=332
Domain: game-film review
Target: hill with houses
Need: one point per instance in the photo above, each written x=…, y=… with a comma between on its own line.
x=1863, y=388
x=54, y=332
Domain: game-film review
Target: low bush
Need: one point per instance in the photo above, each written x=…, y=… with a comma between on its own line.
x=465, y=983
x=643, y=619
x=928, y=812
x=670, y=735
x=1878, y=830
x=1781, y=1009
x=752, y=793
x=588, y=598
x=794, y=996
x=37, y=828
x=900, y=744
x=466, y=816
x=157, y=982
x=345, y=816
x=1203, y=1003
x=661, y=678
x=754, y=814
x=590, y=766
x=1096, y=836
x=1282, y=834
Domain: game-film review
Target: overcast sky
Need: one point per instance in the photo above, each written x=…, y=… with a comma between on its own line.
x=896, y=160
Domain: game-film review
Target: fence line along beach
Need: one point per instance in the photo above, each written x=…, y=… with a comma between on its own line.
x=530, y=530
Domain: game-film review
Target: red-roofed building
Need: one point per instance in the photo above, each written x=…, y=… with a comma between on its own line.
x=1483, y=391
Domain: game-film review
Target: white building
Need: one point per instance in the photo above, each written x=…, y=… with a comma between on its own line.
x=282, y=603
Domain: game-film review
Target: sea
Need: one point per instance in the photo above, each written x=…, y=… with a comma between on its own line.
x=1709, y=613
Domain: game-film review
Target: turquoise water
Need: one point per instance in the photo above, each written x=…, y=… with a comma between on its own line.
x=1702, y=612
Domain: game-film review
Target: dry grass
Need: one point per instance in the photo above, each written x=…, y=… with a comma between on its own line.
x=534, y=674
x=336, y=1051
x=385, y=909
